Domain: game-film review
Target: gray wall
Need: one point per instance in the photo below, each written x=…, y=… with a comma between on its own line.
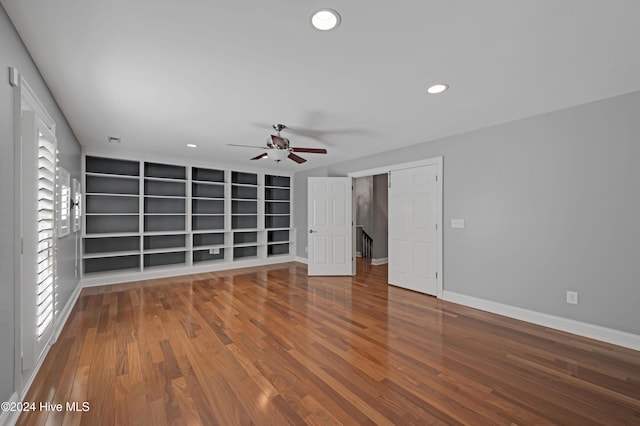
x=380, y=233
x=551, y=204
x=363, y=193
x=14, y=54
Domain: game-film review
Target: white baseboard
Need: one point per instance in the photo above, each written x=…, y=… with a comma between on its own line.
x=10, y=418
x=608, y=335
x=358, y=254
x=381, y=261
x=302, y=260
x=64, y=313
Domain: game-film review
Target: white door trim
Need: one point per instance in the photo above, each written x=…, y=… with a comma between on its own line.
x=24, y=98
x=437, y=161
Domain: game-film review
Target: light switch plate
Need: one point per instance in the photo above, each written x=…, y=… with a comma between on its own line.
x=457, y=223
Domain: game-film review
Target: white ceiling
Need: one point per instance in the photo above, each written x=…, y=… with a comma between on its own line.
x=161, y=74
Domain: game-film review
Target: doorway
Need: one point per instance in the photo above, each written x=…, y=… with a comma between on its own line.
x=415, y=202
x=371, y=202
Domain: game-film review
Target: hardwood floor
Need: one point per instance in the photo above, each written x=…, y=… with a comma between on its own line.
x=271, y=346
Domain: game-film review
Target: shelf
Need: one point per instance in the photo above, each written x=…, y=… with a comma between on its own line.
x=164, y=179
x=113, y=175
x=165, y=223
x=164, y=188
x=204, y=256
x=244, y=207
x=276, y=194
x=115, y=263
x=207, y=190
x=244, y=193
x=164, y=241
x=164, y=171
x=277, y=181
x=112, y=204
x=202, y=182
x=244, y=222
x=245, y=237
x=164, y=259
x=106, y=224
x=112, y=214
x=97, y=245
x=110, y=254
x=113, y=185
x=279, y=242
x=111, y=235
x=207, y=206
x=208, y=240
x=276, y=221
x=245, y=252
x=207, y=175
x=278, y=249
x=165, y=250
x=111, y=166
x=107, y=194
x=199, y=223
x=242, y=178
x=278, y=236
x=213, y=246
x=154, y=233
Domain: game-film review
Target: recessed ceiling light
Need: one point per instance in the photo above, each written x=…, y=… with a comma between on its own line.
x=192, y=145
x=437, y=88
x=325, y=19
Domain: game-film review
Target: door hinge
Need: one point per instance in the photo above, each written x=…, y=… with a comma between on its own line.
x=436, y=226
x=436, y=275
x=436, y=178
x=389, y=179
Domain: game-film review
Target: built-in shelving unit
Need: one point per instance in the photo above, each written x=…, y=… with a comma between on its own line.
x=277, y=215
x=209, y=214
x=148, y=217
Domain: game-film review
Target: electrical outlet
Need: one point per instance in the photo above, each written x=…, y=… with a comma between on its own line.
x=572, y=297
x=457, y=223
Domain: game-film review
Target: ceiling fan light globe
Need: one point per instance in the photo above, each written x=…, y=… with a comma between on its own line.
x=277, y=155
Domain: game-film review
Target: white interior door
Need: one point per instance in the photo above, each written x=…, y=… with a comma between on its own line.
x=330, y=226
x=414, y=215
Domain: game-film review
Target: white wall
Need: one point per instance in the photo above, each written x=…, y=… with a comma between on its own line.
x=551, y=204
x=14, y=54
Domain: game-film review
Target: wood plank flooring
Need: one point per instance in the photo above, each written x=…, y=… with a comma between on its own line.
x=271, y=346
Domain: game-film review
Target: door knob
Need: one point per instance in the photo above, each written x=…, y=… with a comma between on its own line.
x=311, y=231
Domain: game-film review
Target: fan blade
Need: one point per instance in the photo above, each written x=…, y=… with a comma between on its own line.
x=257, y=157
x=247, y=146
x=297, y=158
x=310, y=150
x=279, y=142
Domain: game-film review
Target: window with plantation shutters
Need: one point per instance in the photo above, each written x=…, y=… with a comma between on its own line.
x=45, y=280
